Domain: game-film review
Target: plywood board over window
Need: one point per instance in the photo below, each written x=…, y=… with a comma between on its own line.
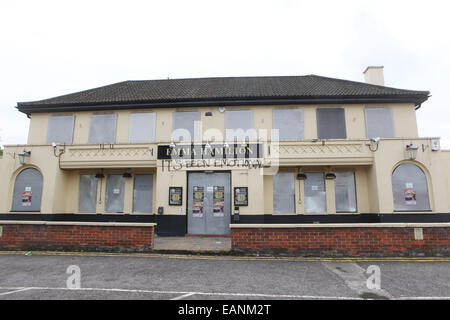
x=289, y=123
x=143, y=193
x=284, y=192
x=87, y=194
x=186, y=126
x=142, y=127
x=315, y=196
x=102, y=128
x=345, y=192
x=379, y=123
x=60, y=129
x=115, y=185
x=239, y=125
x=331, y=123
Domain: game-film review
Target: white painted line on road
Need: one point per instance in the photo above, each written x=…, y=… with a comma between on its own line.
x=184, y=293
x=184, y=296
x=18, y=290
x=260, y=295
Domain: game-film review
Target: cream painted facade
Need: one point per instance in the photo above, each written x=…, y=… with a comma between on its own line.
x=373, y=163
x=373, y=170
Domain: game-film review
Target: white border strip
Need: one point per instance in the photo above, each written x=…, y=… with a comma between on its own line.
x=341, y=225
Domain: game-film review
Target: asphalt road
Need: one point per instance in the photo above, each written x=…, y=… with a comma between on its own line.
x=136, y=277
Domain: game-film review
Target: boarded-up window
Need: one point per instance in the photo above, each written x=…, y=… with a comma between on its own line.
x=289, y=122
x=27, y=191
x=142, y=127
x=60, y=129
x=103, y=128
x=115, y=185
x=331, y=123
x=315, y=197
x=87, y=194
x=345, y=192
x=410, y=189
x=379, y=123
x=283, y=193
x=143, y=193
x=239, y=125
x=186, y=126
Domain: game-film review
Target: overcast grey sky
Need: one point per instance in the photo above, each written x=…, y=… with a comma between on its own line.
x=50, y=48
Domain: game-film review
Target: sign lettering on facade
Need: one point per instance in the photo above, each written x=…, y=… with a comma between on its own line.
x=215, y=151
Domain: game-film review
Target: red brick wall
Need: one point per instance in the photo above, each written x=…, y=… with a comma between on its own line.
x=76, y=237
x=343, y=241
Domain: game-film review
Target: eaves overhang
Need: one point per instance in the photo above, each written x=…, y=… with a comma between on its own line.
x=39, y=108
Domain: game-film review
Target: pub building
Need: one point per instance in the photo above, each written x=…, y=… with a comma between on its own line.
x=218, y=156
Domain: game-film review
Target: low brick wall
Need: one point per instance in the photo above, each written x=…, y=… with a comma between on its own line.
x=343, y=240
x=76, y=236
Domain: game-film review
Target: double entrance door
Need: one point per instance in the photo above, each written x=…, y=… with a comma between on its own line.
x=209, y=205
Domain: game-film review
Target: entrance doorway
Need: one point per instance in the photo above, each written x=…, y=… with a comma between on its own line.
x=209, y=203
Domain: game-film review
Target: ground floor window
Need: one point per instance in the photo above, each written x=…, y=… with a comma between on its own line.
x=143, y=193
x=115, y=185
x=27, y=191
x=345, y=192
x=410, y=189
x=87, y=194
x=315, y=196
x=283, y=193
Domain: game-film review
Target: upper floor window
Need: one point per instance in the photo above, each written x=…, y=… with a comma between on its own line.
x=289, y=122
x=186, y=126
x=103, y=128
x=142, y=127
x=60, y=129
x=379, y=123
x=331, y=123
x=239, y=125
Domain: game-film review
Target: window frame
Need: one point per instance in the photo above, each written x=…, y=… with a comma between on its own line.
x=238, y=138
x=355, y=189
x=302, y=131
x=425, y=176
x=49, y=125
x=366, y=118
x=132, y=137
x=318, y=120
x=91, y=123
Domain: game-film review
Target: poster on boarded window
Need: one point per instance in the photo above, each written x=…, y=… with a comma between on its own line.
x=218, y=201
x=410, y=196
x=197, y=204
x=26, y=197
